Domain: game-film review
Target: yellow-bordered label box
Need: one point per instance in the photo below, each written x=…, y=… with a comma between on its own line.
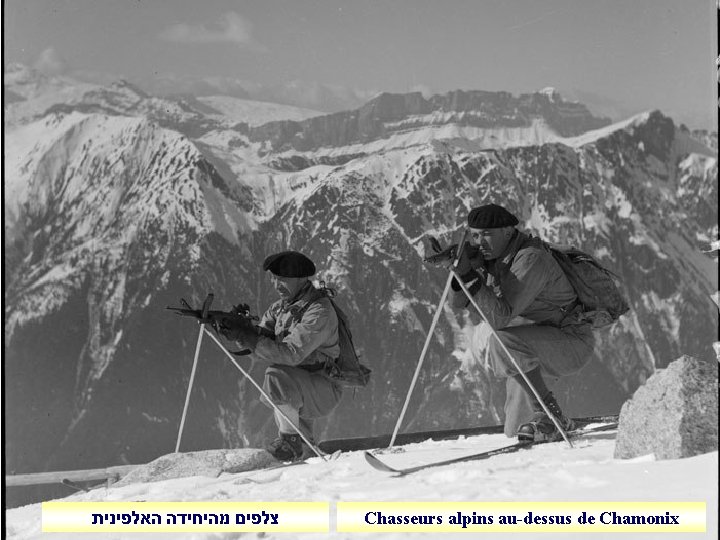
x=299, y=517
x=554, y=517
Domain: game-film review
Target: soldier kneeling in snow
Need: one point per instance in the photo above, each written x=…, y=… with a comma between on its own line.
x=510, y=275
x=296, y=336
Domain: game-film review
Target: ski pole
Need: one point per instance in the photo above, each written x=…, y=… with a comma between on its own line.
x=265, y=395
x=436, y=317
x=203, y=315
x=190, y=385
x=454, y=274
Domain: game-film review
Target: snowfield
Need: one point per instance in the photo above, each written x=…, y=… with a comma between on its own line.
x=255, y=113
x=552, y=472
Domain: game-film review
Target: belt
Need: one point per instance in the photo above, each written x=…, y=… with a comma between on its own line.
x=321, y=365
x=312, y=368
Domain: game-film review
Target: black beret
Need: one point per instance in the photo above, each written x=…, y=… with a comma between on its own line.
x=290, y=264
x=491, y=216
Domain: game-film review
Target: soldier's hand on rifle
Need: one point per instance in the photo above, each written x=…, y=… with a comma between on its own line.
x=470, y=260
x=230, y=327
x=238, y=329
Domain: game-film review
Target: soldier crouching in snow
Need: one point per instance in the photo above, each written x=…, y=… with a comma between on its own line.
x=296, y=337
x=511, y=275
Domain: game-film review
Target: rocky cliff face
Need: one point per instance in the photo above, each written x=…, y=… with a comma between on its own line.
x=116, y=208
x=391, y=113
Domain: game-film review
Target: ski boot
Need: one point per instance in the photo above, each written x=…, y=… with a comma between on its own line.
x=289, y=447
x=541, y=428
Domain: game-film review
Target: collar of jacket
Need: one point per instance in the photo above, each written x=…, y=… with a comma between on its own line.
x=304, y=290
x=517, y=242
x=514, y=245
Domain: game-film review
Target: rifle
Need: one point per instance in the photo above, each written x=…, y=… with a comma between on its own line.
x=238, y=315
x=440, y=255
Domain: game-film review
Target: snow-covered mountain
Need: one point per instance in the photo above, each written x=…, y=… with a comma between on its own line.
x=33, y=94
x=119, y=203
x=296, y=93
x=255, y=113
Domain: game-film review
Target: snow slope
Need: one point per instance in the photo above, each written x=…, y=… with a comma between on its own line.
x=255, y=113
x=552, y=472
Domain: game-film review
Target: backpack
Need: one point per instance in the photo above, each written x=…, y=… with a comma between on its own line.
x=596, y=288
x=346, y=369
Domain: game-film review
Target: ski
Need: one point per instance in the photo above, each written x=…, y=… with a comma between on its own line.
x=380, y=441
x=286, y=464
x=378, y=464
x=73, y=485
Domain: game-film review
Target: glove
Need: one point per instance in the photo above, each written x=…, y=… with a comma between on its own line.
x=465, y=262
x=247, y=337
x=238, y=329
x=469, y=268
x=470, y=259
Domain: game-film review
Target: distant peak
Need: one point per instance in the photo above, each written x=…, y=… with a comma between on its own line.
x=124, y=85
x=653, y=127
x=551, y=93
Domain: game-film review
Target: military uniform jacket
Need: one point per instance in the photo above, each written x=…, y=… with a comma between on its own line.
x=301, y=339
x=525, y=281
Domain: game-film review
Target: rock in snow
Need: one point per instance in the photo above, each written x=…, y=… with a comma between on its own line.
x=209, y=463
x=674, y=415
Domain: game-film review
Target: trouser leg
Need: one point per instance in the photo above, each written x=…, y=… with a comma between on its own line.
x=533, y=379
x=285, y=423
x=537, y=350
x=518, y=407
x=301, y=395
x=292, y=414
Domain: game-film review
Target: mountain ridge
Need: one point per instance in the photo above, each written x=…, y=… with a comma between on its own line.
x=379, y=118
x=107, y=226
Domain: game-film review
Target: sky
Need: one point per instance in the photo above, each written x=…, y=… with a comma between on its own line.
x=624, y=55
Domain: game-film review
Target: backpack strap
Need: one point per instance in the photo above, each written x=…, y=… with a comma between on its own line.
x=317, y=295
x=298, y=315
